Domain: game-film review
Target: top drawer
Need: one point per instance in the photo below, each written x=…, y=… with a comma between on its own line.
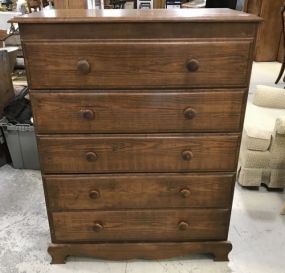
x=79, y=65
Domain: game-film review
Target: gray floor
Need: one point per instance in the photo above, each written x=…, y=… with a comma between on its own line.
x=257, y=229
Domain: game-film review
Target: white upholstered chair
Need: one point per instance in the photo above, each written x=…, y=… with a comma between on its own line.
x=262, y=155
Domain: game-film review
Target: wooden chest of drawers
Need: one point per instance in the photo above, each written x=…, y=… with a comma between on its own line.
x=138, y=117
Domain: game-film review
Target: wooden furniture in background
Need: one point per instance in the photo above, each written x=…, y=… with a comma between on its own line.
x=70, y=4
x=283, y=45
x=34, y=5
x=158, y=4
x=6, y=86
x=3, y=35
x=139, y=131
x=270, y=31
x=6, y=94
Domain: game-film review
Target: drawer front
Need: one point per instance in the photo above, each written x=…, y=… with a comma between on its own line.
x=141, y=225
x=139, y=191
x=138, y=112
x=138, y=64
x=138, y=153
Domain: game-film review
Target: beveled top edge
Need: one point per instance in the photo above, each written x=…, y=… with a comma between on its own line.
x=125, y=15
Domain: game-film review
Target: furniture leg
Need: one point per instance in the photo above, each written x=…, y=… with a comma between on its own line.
x=149, y=251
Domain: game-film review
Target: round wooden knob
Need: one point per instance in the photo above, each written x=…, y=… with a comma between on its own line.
x=187, y=155
x=192, y=65
x=189, y=113
x=90, y=156
x=95, y=194
x=185, y=193
x=183, y=225
x=98, y=227
x=87, y=114
x=83, y=67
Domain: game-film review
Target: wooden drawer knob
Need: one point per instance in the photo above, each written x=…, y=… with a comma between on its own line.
x=87, y=114
x=83, y=67
x=94, y=194
x=91, y=157
x=192, y=65
x=189, y=113
x=187, y=155
x=183, y=225
x=185, y=193
x=98, y=227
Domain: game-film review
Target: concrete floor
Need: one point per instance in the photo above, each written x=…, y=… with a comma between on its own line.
x=257, y=229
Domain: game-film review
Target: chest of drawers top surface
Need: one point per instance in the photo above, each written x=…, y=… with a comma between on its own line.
x=137, y=24
x=149, y=109
x=119, y=15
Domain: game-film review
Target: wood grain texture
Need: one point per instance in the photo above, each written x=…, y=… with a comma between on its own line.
x=138, y=112
x=70, y=192
x=138, y=153
x=111, y=92
x=270, y=31
x=124, y=30
x=61, y=4
x=150, y=225
x=70, y=4
x=150, y=251
x=141, y=64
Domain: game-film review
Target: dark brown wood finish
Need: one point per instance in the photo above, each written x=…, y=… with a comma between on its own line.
x=149, y=108
x=6, y=85
x=270, y=31
x=138, y=153
x=149, y=30
x=151, y=225
x=149, y=64
x=150, y=251
x=138, y=112
x=70, y=4
x=71, y=192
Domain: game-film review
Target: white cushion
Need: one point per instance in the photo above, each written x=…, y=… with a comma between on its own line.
x=261, y=118
x=270, y=97
x=257, y=140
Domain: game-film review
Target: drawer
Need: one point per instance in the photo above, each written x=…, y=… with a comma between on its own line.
x=138, y=153
x=138, y=112
x=139, y=191
x=127, y=64
x=141, y=225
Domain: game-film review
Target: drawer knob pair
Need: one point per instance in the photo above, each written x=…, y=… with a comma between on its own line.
x=193, y=65
x=183, y=225
x=87, y=114
x=94, y=194
x=187, y=155
x=98, y=227
x=91, y=157
x=83, y=67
